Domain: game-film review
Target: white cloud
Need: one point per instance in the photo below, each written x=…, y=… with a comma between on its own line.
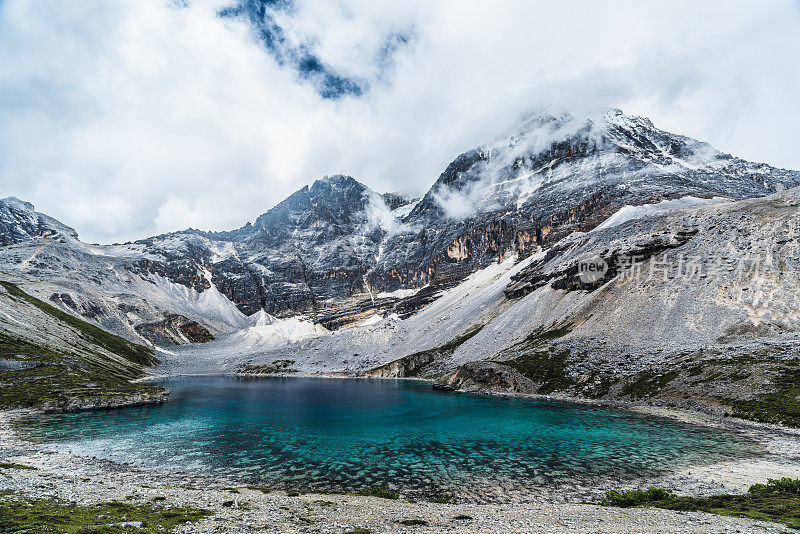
x=127, y=118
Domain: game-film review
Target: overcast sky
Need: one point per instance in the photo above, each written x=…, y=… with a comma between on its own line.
x=126, y=118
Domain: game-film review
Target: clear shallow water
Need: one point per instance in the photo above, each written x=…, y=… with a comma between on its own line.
x=347, y=434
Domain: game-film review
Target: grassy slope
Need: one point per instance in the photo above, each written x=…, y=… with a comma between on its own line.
x=132, y=352
x=752, y=386
x=90, y=363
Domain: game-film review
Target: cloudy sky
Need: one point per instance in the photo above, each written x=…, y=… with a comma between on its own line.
x=126, y=118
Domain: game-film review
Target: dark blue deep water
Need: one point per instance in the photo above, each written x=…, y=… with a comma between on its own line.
x=346, y=434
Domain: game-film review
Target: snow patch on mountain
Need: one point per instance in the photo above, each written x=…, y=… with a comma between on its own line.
x=403, y=211
x=398, y=294
x=210, y=305
x=628, y=213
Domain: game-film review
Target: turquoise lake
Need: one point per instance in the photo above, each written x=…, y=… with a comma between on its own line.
x=348, y=435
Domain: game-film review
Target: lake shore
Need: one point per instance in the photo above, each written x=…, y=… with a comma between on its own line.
x=779, y=454
x=85, y=480
x=81, y=479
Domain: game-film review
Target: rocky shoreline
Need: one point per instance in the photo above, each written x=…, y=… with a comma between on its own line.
x=77, y=404
x=85, y=480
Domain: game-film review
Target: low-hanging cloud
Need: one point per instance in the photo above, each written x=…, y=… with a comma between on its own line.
x=134, y=117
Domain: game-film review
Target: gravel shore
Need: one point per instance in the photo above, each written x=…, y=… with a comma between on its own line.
x=87, y=480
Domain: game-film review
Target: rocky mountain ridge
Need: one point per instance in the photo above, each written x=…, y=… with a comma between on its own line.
x=338, y=252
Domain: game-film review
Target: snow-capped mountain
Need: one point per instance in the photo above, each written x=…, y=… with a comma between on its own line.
x=558, y=175
x=338, y=252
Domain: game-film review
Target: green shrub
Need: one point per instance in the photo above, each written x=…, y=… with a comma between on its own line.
x=413, y=522
x=12, y=465
x=383, y=493
x=626, y=499
x=777, y=501
x=786, y=485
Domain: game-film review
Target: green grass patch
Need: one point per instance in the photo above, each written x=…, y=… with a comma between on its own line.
x=781, y=405
x=647, y=384
x=413, y=522
x=777, y=501
x=383, y=493
x=789, y=486
x=544, y=335
x=19, y=513
x=451, y=346
x=535, y=359
x=12, y=465
x=58, y=377
x=547, y=368
x=48, y=375
x=626, y=499
x=415, y=364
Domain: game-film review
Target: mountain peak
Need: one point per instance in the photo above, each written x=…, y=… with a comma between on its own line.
x=17, y=203
x=338, y=180
x=20, y=222
x=589, y=156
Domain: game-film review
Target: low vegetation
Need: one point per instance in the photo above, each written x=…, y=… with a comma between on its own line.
x=413, y=522
x=781, y=405
x=383, y=493
x=19, y=513
x=546, y=368
x=754, y=386
x=35, y=374
x=626, y=499
x=12, y=465
x=535, y=358
x=758, y=386
x=777, y=501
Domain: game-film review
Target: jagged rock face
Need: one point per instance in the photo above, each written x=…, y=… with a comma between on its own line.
x=19, y=222
x=315, y=246
x=396, y=200
x=174, y=329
